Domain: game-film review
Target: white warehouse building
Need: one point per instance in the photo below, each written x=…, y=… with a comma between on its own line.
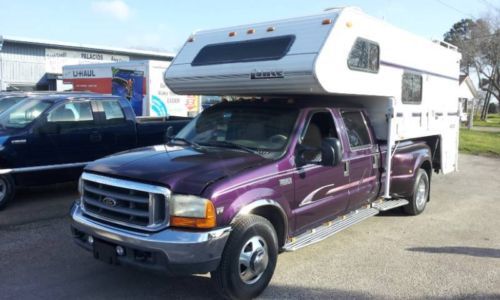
x=31, y=64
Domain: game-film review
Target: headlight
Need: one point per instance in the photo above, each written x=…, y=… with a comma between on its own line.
x=191, y=211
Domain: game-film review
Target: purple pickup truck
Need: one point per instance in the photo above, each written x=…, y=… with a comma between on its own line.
x=240, y=183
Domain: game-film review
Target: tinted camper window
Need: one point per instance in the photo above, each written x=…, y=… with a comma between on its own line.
x=364, y=56
x=244, y=51
x=412, y=88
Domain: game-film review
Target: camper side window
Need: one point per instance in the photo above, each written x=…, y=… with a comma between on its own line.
x=411, y=88
x=364, y=56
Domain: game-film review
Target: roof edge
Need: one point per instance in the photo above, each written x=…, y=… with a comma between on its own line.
x=16, y=39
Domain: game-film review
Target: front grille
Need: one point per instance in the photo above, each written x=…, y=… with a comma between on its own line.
x=123, y=202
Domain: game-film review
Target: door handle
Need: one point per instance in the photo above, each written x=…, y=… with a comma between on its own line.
x=375, y=161
x=95, y=137
x=346, y=168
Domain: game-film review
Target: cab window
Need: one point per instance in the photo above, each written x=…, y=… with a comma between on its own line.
x=113, y=112
x=320, y=126
x=73, y=112
x=357, y=132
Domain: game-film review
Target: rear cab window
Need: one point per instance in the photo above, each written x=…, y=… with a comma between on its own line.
x=113, y=112
x=357, y=130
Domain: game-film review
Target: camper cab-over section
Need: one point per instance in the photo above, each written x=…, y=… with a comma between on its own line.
x=340, y=52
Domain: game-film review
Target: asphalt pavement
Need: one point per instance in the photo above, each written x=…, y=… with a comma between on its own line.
x=450, y=251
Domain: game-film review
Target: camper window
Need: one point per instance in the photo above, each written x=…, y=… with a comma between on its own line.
x=244, y=51
x=364, y=56
x=411, y=88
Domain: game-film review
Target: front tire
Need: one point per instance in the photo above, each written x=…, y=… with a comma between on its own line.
x=420, y=194
x=7, y=190
x=249, y=259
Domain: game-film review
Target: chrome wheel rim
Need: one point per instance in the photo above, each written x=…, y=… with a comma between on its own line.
x=3, y=189
x=421, y=196
x=253, y=260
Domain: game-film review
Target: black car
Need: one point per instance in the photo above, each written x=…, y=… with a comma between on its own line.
x=49, y=138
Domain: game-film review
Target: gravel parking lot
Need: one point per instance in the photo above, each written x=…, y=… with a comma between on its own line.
x=450, y=251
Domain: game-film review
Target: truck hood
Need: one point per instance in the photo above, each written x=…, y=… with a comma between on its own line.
x=183, y=169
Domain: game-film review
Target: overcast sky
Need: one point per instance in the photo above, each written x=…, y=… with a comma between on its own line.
x=166, y=24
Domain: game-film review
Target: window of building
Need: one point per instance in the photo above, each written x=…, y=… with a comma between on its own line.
x=411, y=88
x=364, y=56
x=244, y=51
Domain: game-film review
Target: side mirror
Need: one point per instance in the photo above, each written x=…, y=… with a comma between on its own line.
x=331, y=152
x=328, y=154
x=169, y=134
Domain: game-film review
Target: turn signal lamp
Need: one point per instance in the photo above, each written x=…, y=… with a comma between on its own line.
x=251, y=31
x=270, y=29
x=192, y=211
x=326, y=22
x=190, y=39
x=232, y=33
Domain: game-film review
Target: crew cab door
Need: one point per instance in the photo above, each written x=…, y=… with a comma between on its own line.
x=72, y=129
x=118, y=132
x=361, y=161
x=321, y=192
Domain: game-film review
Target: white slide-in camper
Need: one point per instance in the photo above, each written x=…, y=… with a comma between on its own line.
x=408, y=84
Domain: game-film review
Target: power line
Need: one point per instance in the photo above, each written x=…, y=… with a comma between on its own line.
x=455, y=9
x=488, y=3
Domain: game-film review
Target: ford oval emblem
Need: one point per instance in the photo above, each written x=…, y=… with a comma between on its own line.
x=109, y=201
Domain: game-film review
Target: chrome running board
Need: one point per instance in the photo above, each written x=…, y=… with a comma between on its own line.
x=384, y=205
x=330, y=228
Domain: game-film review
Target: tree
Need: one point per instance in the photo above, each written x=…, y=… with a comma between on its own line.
x=460, y=36
x=479, y=43
x=493, y=108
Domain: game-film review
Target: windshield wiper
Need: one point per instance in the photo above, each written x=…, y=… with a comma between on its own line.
x=186, y=141
x=233, y=145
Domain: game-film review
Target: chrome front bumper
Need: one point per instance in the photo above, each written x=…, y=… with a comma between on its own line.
x=180, y=251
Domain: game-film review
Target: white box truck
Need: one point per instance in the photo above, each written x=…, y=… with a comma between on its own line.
x=140, y=82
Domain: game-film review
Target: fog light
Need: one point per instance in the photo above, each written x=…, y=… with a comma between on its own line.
x=120, y=251
x=90, y=240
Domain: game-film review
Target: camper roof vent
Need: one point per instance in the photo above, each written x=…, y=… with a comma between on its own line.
x=446, y=45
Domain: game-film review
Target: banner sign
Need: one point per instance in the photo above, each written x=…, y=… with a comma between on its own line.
x=55, y=59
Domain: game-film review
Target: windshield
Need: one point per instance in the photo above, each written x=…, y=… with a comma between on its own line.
x=7, y=102
x=263, y=130
x=23, y=113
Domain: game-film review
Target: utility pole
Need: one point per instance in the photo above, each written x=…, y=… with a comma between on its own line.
x=470, y=118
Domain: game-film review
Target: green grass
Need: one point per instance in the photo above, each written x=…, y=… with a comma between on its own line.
x=492, y=121
x=480, y=142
